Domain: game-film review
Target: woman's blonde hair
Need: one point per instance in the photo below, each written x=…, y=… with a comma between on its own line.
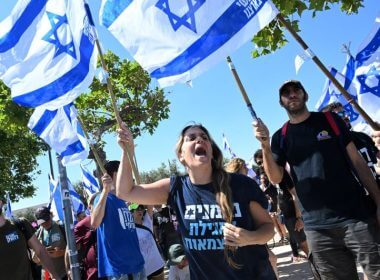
x=220, y=182
x=235, y=165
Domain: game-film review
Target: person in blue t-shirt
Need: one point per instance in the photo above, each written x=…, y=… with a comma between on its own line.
x=222, y=217
x=119, y=255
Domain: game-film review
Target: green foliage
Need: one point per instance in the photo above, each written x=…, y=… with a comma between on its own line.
x=272, y=37
x=18, y=150
x=164, y=171
x=27, y=214
x=140, y=106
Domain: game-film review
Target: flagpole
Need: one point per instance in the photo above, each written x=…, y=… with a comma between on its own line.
x=110, y=91
x=298, y=38
x=68, y=223
x=242, y=89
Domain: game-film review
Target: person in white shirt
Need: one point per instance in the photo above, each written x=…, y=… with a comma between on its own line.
x=154, y=263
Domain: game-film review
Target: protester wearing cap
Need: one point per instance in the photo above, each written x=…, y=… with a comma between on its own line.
x=52, y=237
x=154, y=263
x=119, y=255
x=179, y=266
x=340, y=228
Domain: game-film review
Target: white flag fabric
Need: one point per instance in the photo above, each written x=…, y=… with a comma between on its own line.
x=367, y=73
x=90, y=184
x=61, y=130
x=8, y=212
x=175, y=41
x=47, y=52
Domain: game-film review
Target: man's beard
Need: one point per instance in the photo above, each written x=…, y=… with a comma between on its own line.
x=296, y=111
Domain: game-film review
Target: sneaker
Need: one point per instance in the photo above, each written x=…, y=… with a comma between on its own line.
x=284, y=241
x=296, y=259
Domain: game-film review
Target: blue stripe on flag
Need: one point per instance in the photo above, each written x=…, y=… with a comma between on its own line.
x=209, y=42
x=64, y=84
x=72, y=149
x=31, y=11
x=112, y=9
x=350, y=72
x=67, y=110
x=90, y=178
x=44, y=121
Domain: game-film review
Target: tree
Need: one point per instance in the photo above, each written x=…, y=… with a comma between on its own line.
x=272, y=37
x=140, y=106
x=18, y=150
x=161, y=172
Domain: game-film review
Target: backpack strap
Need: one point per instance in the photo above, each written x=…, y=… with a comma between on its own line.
x=332, y=123
x=284, y=130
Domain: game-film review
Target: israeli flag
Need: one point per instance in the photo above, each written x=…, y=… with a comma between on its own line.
x=367, y=73
x=8, y=212
x=47, y=52
x=57, y=204
x=331, y=94
x=61, y=130
x=90, y=184
x=175, y=41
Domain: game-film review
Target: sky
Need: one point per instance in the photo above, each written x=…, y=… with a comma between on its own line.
x=215, y=101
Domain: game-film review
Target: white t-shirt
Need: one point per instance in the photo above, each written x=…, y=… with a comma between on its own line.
x=152, y=257
x=179, y=274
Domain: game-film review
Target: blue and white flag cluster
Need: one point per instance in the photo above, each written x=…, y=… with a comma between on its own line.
x=61, y=130
x=90, y=184
x=361, y=79
x=8, y=212
x=227, y=147
x=56, y=205
x=47, y=52
x=175, y=41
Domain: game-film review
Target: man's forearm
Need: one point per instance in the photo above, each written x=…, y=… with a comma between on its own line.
x=124, y=181
x=367, y=179
x=272, y=169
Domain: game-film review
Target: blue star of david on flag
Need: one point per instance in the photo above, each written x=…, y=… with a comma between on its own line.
x=187, y=20
x=371, y=77
x=353, y=116
x=56, y=21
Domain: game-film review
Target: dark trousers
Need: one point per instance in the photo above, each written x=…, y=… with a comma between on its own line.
x=336, y=251
x=296, y=237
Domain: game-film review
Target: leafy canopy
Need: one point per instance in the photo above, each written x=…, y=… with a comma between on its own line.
x=272, y=37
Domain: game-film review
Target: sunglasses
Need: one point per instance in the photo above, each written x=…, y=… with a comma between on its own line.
x=259, y=162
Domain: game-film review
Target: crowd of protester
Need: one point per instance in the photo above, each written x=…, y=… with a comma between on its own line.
x=312, y=187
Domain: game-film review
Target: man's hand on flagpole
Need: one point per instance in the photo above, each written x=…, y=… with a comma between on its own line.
x=107, y=183
x=261, y=132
